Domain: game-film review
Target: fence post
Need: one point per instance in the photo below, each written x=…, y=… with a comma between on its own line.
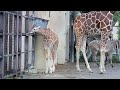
x=3, y=44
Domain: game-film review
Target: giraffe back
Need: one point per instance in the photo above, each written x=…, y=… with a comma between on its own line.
x=50, y=38
x=90, y=23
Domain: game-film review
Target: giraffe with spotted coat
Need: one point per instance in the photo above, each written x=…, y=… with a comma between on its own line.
x=92, y=23
x=51, y=42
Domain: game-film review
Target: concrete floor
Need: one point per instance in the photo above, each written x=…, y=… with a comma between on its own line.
x=68, y=71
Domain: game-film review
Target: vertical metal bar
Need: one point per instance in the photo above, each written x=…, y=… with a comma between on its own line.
x=3, y=44
x=70, y=55
x=72, y=45
x=33, y=52
x=13, y=40
x=15, y=32
x=8, y=45
x=17, y=43
x=26, y=39
x=71, y=42
x=33, y=45
x=20, y=42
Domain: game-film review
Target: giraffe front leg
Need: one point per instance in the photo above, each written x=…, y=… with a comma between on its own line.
x=50, y=61
x=53, y=68
x=94, y=55
x=102, y=62
x=46, y=71
x=104, y=41
x=55, y=57
x=77, y=58
x=54, y=60
x=110, y=58
x=55, y=53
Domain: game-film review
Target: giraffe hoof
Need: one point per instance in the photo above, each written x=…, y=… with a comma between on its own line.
x=53, y=70
x=78, y=69
x=97, y=64
x=101, y=73
x=90, y=71
x=46, y=72
x=50, y=71
x=112, y=66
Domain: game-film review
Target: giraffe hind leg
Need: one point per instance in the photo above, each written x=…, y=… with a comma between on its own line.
x=46, y=61
x=53, y=58
x=94, y=57
x=110, y=59
x=83, y=49
x=51, y=65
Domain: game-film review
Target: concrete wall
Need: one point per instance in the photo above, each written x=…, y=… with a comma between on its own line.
x=59, y=24
x=39, y=53
x=42, y=14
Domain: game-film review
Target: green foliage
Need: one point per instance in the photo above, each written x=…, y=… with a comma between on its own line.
x=115, y=59
x=115, y=19
x=116, y=16
x=74, y=13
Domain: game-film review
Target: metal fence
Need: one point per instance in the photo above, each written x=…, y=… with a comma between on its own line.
x=11, y=42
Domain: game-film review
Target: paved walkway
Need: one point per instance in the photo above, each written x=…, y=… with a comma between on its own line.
x=68, y=71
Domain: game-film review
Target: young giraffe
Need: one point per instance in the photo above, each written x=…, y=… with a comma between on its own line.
x=92, y=23
x=50, y=46
x=94, y=47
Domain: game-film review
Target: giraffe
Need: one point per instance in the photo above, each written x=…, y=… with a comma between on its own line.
x=92, y=23
x=95, y=47
x=51, y=42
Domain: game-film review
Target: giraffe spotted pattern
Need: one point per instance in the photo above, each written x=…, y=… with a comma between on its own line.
x=51, y=42
x=92, y=23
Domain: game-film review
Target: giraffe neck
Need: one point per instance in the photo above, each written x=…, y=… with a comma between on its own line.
x=44, y=32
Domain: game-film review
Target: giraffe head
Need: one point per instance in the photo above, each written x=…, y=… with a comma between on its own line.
x=35, y=29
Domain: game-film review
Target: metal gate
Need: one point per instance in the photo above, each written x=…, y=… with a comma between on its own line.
x=11, y=42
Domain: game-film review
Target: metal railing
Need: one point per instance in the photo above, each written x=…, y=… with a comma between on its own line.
x=11, y=42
